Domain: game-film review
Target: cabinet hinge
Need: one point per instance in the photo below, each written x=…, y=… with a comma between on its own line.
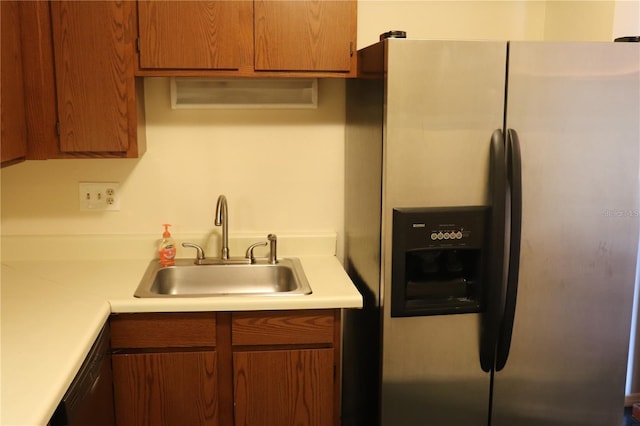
x=58, y=128
x=138, y=44
x=351, y=52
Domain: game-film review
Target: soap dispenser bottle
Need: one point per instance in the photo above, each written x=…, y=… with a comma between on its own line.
x=167, y=248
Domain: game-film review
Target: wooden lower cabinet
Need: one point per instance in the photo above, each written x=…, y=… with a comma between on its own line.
x=259, y=368
x=174, y=388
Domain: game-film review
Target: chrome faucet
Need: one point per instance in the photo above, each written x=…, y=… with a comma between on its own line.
x=222, y=219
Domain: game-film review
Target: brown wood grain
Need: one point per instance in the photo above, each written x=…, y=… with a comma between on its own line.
x=282, y=327
x=193, y=34
x=311, y=35
x=164, y=330
x=274, y=388
x=177, y=388
x=13, y=139
x=94, y=74
x=262, y=38
x=39, y=80
x=270, y=368
x=225, y=368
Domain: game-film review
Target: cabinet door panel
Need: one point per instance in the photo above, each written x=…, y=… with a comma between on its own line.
x=310, y=35
x=275, y=388
x=39, y=79
x=94, y=74
x=12, y=109
x=176, y=388
x=192, y=34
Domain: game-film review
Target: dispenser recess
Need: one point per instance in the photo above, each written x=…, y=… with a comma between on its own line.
x=438, y=260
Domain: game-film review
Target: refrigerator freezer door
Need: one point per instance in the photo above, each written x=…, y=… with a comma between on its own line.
x=443, y=101
x=575, y=107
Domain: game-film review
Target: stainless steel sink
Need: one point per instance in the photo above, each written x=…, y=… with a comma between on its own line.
x=185, y=279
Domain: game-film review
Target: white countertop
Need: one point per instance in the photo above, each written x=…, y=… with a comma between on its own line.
x=52, y=311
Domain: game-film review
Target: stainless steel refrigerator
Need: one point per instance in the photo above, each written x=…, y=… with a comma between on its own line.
x=513, y=168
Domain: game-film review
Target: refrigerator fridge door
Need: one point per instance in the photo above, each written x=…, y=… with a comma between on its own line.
x=575, y=107
x=443, y=101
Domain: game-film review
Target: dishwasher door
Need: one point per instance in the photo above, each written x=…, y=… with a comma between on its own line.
x=89, y=400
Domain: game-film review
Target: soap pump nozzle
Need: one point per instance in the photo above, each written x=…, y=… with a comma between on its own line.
x=166, y=233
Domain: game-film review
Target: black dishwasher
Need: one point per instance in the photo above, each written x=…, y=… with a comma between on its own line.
x=89, y=399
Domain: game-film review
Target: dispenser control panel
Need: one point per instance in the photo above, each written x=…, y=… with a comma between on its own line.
x=455, y=234
x=442, y=227
x=443, y=231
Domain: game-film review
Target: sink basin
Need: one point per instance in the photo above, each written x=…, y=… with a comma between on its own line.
x=185, y=279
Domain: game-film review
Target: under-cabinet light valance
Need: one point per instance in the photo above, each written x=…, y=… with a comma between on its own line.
x=190, y=92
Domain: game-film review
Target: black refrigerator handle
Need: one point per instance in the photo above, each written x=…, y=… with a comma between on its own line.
x=494, y=272
x=514, y=176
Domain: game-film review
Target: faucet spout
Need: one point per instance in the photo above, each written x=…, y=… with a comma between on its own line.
x=222, y=219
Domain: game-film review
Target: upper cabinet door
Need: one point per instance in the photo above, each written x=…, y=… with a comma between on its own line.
x=94, y=74
x=195, y=34
x=12, y=105
x=310, y=35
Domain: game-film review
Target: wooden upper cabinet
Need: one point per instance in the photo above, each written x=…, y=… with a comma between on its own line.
x=194, y=34
x=248, y=38
x=310, y=35
x=13, y=139
x=93, y=43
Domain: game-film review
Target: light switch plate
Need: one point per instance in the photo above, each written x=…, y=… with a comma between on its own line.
x=99, y=196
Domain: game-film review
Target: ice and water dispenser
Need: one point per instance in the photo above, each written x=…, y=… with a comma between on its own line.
x=438, y=260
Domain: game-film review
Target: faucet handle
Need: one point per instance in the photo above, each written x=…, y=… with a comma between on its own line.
x=199, y=251
x=249, y=255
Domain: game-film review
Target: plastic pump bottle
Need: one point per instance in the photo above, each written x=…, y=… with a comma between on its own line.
x=167, y=248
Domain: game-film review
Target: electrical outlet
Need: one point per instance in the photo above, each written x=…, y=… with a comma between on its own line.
x=99, y=196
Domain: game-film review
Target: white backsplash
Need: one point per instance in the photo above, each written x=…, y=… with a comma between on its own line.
x=91, y=247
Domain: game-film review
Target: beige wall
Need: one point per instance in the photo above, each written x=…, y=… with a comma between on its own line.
x=626, y=18
x=282, y=171
x=451, y=19
x=565, y=21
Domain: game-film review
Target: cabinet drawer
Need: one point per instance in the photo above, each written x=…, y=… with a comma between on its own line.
x=163, y=330
x=283, y=327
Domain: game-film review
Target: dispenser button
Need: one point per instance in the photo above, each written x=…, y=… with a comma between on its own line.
x=440, y=235
x=459, y=235
x=434, y=236
x=447, y=235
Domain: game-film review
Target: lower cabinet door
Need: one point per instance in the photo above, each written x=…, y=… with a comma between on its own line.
x=166, y=389
x=285, y=387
